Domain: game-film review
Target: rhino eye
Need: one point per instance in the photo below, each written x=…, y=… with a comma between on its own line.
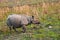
x=32, y=17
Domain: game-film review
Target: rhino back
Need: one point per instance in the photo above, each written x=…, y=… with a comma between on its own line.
x=17, y=20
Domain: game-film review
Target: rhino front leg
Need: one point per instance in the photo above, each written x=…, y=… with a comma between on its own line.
x=15, y=29
x=24, y=28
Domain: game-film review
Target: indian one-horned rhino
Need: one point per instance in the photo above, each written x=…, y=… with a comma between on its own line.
x=15, y=21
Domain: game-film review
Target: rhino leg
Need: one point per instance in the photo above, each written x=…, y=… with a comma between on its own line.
x=15, y=29
x=10, y=29
x=24, y=28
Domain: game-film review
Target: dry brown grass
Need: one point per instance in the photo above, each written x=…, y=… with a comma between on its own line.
x=30, y=10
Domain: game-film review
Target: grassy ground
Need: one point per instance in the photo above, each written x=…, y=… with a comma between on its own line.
x=32, y=33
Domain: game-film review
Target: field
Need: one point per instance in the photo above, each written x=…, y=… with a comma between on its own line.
x=47, y=12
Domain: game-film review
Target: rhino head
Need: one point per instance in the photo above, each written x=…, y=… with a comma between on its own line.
x=35, y=21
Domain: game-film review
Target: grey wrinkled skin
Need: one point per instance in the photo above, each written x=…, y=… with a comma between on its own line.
x=15, y=21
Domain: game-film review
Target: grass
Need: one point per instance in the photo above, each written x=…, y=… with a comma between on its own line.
x=48, y=17
x=34, y=34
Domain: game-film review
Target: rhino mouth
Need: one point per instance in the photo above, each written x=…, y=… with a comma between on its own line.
x=36, y=22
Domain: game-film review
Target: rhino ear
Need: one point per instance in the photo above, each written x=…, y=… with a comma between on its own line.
x=32, y=17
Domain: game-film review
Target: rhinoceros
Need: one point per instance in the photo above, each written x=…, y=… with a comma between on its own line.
x=16, y=21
